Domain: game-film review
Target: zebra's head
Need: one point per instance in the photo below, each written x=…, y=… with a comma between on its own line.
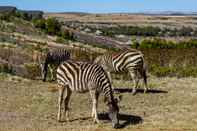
x=113, y=112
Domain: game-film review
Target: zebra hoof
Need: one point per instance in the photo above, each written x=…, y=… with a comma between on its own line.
x=145, y=91
x=59, y=120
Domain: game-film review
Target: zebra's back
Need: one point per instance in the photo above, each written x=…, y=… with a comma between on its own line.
x=57, y=56
x=127, y=59
x=121, y=61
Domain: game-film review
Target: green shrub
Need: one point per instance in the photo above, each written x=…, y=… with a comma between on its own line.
x=5, y=68
x=173, y=71
x=187, y=72
x=61, y=40
x=147, y=31
x=158, y=43
x=40, y=23
x=53, y=27
x=162, y=71
x=5, y=17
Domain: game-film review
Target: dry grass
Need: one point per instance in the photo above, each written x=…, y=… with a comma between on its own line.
x=32, y=105
x=129, y=19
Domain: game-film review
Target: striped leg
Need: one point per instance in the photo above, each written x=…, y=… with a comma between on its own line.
x=110, y=79
x=94, y=95
x=133, y=74
x=60, y=100
x=143, y=75
x=67, y=102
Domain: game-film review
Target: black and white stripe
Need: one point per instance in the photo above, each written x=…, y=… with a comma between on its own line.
x=53, y=57
x=131, y=61
x=82, y=77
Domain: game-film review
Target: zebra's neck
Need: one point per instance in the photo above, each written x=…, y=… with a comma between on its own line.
x=108, y=95
x=108, y=62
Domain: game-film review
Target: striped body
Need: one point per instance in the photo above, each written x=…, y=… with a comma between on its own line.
x=82, y=77
x=54, y=57
x=131, y=61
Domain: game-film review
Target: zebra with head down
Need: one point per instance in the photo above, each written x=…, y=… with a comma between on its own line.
x=82, y=77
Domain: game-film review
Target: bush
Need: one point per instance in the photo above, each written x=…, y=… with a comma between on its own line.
x=147, y=31
x=40, y=23
x=4, y=67
x=53, y=27
x=160, y=71
x=158, y=43
x=61, y=40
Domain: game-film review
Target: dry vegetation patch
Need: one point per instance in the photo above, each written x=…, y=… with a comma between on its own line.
x=32, y=105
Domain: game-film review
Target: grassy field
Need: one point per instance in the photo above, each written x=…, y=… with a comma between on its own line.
x=128, y=19
x=32, y=105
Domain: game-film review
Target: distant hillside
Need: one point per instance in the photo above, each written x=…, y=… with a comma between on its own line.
x=28, y=13
x=167, y=13
x=156, y=13
x=7, y=9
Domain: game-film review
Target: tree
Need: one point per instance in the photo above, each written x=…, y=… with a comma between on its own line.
x=53, y=27
x=40, y=23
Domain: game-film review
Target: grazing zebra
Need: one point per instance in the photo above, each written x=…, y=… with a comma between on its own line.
x=82, y=77
x=131, y=61
x=53, y=57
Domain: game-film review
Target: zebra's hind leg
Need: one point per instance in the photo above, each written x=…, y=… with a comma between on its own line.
x=94, y=95
x=67, y=102
x=60, y=100
x=133, y=74
x=143, y=73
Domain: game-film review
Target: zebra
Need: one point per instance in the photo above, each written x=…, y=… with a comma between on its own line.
x=82, y=77
x=53, y=57
x=131, y=61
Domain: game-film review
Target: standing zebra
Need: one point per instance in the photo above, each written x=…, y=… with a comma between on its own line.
x=82, y=77
x=53, y=57
x=131, y=61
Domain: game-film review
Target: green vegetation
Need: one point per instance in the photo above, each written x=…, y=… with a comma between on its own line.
x=4, y=67
x=158, y=43
x=173, y=71
x=163, y=57
x=52, y=26
x=147, y=31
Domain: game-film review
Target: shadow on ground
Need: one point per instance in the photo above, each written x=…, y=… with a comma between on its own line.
x=124, y=119
x=129, y=90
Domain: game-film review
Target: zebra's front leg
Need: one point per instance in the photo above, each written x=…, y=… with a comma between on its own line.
x=94, y=96
x=67, y=102
x=51, y=72
x=60, y=100
x=110, y=79
x=135, y=79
